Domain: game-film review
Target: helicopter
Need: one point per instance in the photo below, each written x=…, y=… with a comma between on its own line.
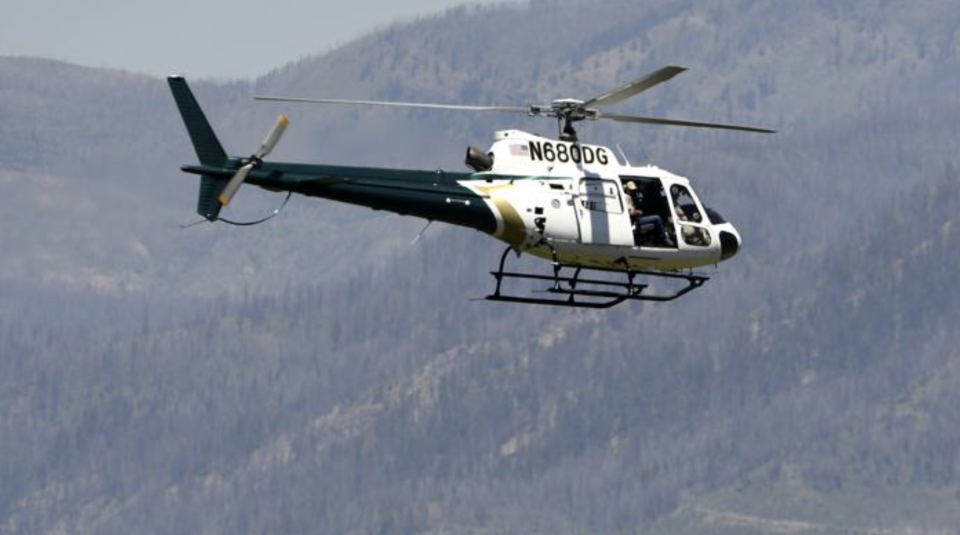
x=607, y=228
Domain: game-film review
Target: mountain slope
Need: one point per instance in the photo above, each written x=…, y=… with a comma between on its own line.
x=573, y=426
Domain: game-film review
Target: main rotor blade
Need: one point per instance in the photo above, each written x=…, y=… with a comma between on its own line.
x=675, y=122
x=519, y=109
x=231, y=188
x=623, y=93
x=273, y=137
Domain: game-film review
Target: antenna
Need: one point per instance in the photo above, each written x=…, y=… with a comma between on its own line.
x=624, y=156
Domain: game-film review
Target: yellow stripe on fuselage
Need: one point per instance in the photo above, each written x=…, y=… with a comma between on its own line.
x=514, y=231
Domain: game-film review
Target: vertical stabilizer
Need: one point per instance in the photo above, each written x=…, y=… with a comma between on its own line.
x=205, y=141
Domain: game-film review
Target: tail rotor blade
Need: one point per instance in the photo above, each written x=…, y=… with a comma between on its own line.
x=269, y=142
x=273, y=137
x=231, y=188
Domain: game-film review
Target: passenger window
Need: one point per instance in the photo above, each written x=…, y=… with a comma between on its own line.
x=600, y=196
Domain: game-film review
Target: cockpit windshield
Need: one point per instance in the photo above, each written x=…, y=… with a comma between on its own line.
x=714, y=216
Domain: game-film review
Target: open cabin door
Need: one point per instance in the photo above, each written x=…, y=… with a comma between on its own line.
x=602, y=213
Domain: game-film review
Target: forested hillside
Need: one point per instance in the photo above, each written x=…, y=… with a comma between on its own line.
x=319, y=374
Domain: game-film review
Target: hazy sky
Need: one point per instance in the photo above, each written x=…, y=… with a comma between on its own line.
x=222, y=38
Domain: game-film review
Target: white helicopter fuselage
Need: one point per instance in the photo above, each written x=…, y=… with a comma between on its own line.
x=571, y=198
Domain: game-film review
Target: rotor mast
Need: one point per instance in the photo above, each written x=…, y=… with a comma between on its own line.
x=568, y=111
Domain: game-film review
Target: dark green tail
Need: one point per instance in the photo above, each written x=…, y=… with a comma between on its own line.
x=205, y=142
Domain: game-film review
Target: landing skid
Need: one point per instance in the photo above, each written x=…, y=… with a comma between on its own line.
x=598, y=294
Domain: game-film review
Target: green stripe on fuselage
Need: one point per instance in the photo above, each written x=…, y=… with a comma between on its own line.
x=433, y=195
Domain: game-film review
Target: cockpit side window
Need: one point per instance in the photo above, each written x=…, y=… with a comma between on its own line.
x=689, y=217
x=686, y=208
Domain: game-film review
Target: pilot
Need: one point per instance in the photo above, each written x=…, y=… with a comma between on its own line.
x=634, y=200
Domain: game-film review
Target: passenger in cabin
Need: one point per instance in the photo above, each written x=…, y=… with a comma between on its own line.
x=642, y=223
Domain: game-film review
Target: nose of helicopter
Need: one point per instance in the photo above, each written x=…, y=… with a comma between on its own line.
x=729, y=243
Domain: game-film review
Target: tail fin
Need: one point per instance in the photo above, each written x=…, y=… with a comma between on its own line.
x=205, y=142
x=208, y=147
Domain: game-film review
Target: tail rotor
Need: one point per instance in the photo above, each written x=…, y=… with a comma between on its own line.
x=254, y=161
